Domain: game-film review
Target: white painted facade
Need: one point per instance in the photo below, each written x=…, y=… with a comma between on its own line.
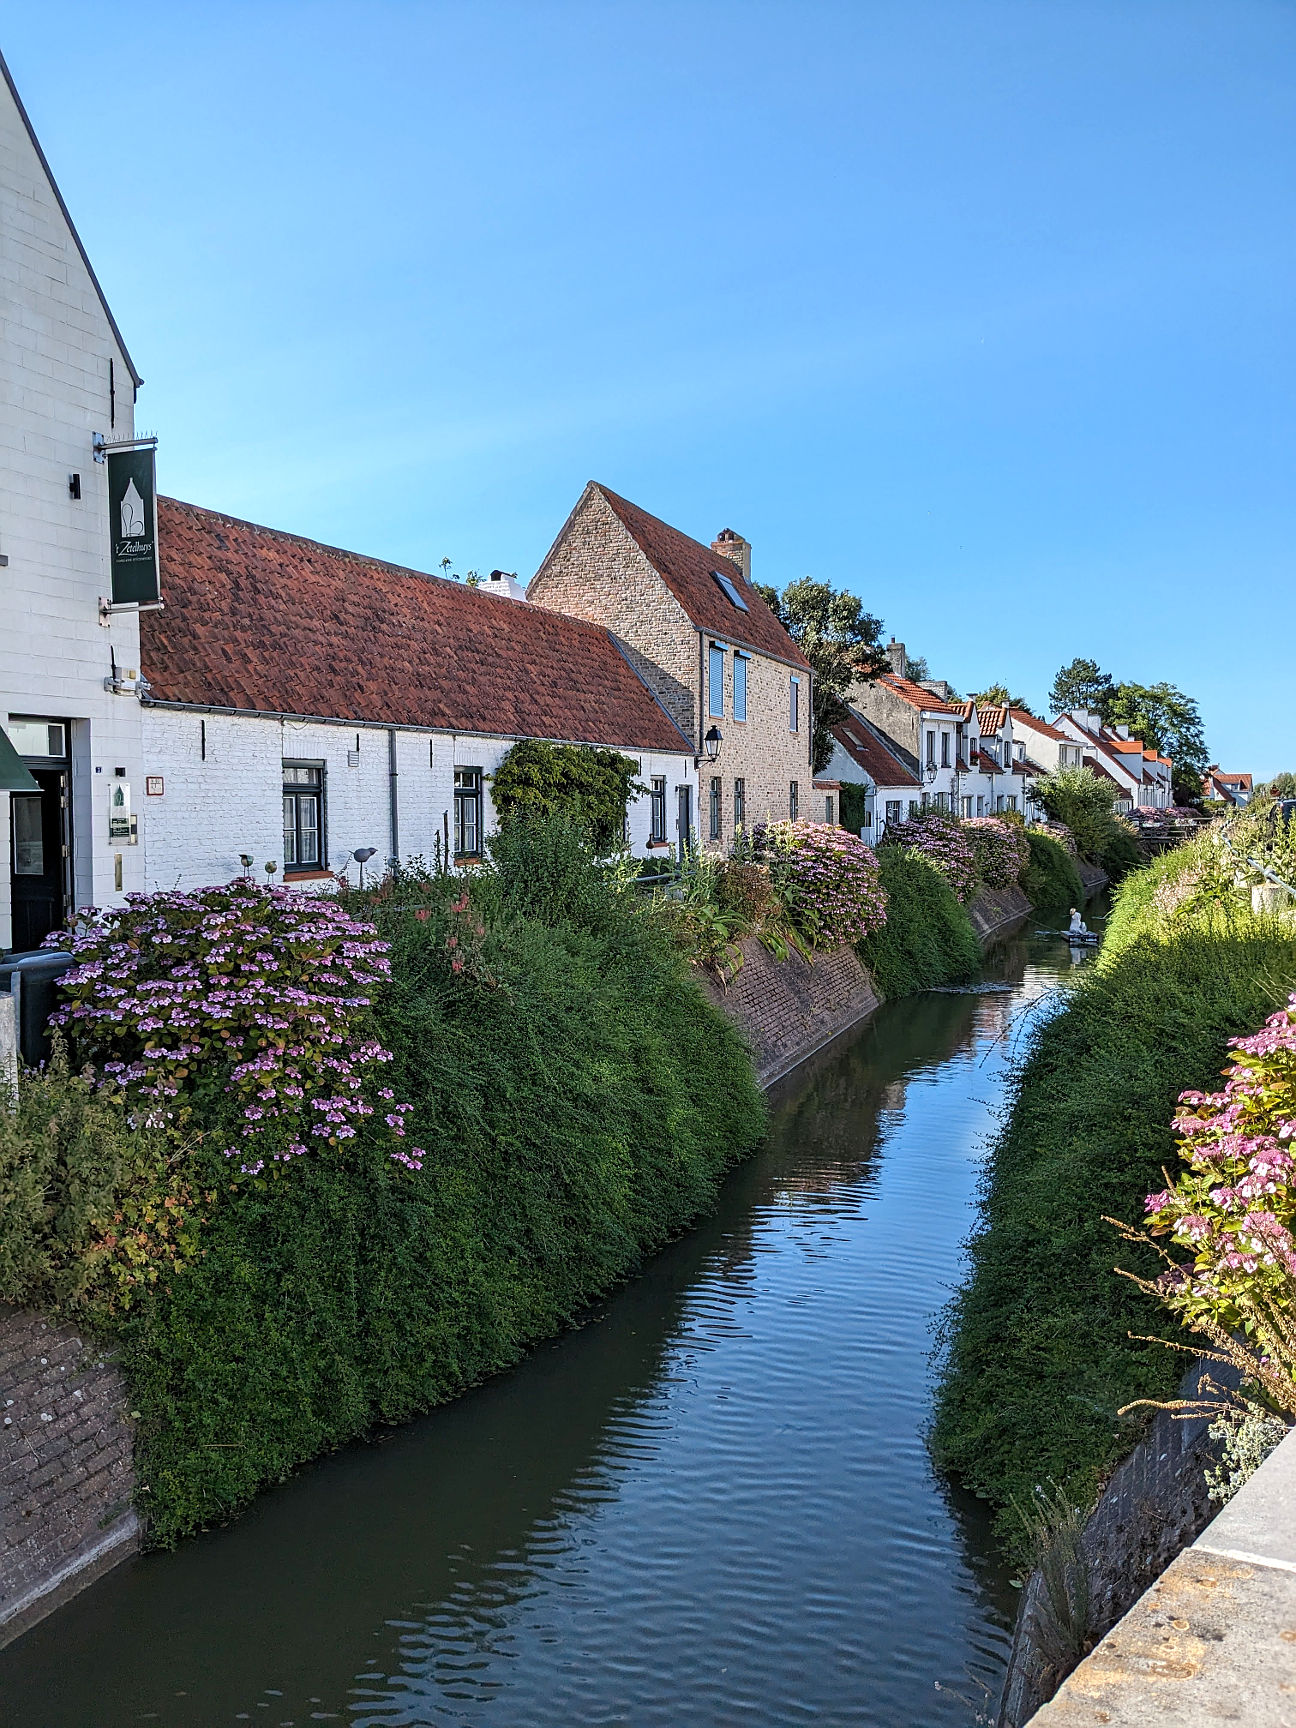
x=222, y=780
x=64, y=376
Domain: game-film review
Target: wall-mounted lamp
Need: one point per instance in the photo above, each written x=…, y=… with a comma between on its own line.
x=712, y=742
x=930, y=773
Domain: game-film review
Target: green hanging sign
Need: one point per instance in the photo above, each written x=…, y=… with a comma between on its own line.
x=132, y=526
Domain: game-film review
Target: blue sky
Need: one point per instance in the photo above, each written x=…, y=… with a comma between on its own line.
x=982, y=310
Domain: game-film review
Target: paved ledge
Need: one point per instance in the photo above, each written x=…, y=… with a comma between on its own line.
x=1214, y=1639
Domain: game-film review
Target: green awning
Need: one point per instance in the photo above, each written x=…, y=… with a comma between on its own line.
x=13, y=775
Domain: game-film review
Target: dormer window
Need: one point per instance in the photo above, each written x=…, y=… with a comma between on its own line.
x=730, y=590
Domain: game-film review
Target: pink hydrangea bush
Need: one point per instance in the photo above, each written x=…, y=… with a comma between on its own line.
x=1001, y=850
x=829, y=878
x=939, y=839
x=243, y=1002
x=1234, y=1211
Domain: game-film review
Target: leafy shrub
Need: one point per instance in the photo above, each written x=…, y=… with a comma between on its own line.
x=1259, y=836
x=999, y=848
x=1039, y=1354
x=942, y=841
x=573, y=781
x=92, y=1207
x=829, y=878
x=579, y=1107
x=1084, y=802
x=1050, y=880
x=745, y=889
x=927, y=939
x=247, y=1006
x=1056, y=831
x=852, y=805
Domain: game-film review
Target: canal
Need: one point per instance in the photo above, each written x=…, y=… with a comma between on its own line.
x=708, y=1506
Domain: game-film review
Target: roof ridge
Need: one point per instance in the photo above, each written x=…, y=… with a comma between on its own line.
x=360, y=557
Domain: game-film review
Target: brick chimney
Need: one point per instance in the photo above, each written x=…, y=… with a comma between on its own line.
x=895, y=653
x=735, y=548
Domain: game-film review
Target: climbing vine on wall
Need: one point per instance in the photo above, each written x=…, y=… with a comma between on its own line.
x=573, y=780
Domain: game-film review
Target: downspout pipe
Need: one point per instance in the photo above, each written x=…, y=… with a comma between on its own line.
x=393, y=798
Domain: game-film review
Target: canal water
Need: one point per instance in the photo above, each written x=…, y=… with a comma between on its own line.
x=710, y=1506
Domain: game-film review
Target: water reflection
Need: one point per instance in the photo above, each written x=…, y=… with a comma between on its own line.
x=711, y=1504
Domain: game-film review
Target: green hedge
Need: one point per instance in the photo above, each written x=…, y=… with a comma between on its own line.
x=1050, y=880
x=579, y=1100
x=1038, y=1354
x=928, y=938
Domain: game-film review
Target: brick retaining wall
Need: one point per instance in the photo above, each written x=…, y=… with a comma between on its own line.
x=788, y=1009
x=66, y=1467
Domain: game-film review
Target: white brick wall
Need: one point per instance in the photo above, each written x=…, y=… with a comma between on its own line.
x=55, y=346
x=213, y=809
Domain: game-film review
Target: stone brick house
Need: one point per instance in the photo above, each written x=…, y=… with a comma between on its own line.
x=689, y=619
x=304, y=703
x=921, y=725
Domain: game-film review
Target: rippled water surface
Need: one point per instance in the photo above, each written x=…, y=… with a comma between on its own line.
x=709, y=1506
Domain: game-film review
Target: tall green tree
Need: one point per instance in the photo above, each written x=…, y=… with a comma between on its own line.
x=1282, y=786
x=1169, y=722
x=1082, y=684
x=996, y=696
x=840, y=640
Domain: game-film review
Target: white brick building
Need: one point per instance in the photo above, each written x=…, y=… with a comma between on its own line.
x=65, y=376
x=306, y=703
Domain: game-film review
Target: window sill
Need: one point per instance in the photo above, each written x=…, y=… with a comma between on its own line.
x=467, y=857
x=309, y=875
x=659, y=845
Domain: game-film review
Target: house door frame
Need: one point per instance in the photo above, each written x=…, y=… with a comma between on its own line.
x=40, y=902
x=684, y=817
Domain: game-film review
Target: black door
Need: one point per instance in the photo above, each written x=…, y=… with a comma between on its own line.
x=684, y=817
x=39, y=854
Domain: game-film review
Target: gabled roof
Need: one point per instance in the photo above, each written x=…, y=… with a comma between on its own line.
x=265, y=622
x=67, y=217
x=689, y=570
x=992, y=718
x=1033, y=724
x=867, y=750
x=1243, y=780
x=986, y=763
x=1093, y=763
x=916, y=696
x=1125, y=746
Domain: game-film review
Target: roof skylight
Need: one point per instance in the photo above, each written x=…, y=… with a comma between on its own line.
x=730, y=591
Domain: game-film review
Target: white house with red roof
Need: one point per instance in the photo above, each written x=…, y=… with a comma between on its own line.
x=1142, y=777
x=1235, y=789
x=862, y=756
x=305, y=704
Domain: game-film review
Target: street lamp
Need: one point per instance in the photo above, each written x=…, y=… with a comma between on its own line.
x=712, y=742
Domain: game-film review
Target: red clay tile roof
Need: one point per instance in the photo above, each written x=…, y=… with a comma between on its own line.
x=1097, y=767
x=1032, y=723
x=991, y=718
x=916, y=696
x=262, y=621
x=688, y=569
x=872, y=755
x=986, y=763
x=1124, y=745
x=1233, y=779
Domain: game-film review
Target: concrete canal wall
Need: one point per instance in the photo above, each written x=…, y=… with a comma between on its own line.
x=1214, y=1639
x=66, y=1474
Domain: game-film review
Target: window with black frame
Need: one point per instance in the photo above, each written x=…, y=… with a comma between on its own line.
x=303, y=817
x=740, y=803
x=468, y=812
x=716, y=808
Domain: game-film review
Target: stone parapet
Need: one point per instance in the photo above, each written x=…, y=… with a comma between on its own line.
x=1214, y=1639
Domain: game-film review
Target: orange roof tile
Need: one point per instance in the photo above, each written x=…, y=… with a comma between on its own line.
x=266, y=622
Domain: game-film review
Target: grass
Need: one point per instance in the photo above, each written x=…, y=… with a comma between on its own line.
x=1037, y=1352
